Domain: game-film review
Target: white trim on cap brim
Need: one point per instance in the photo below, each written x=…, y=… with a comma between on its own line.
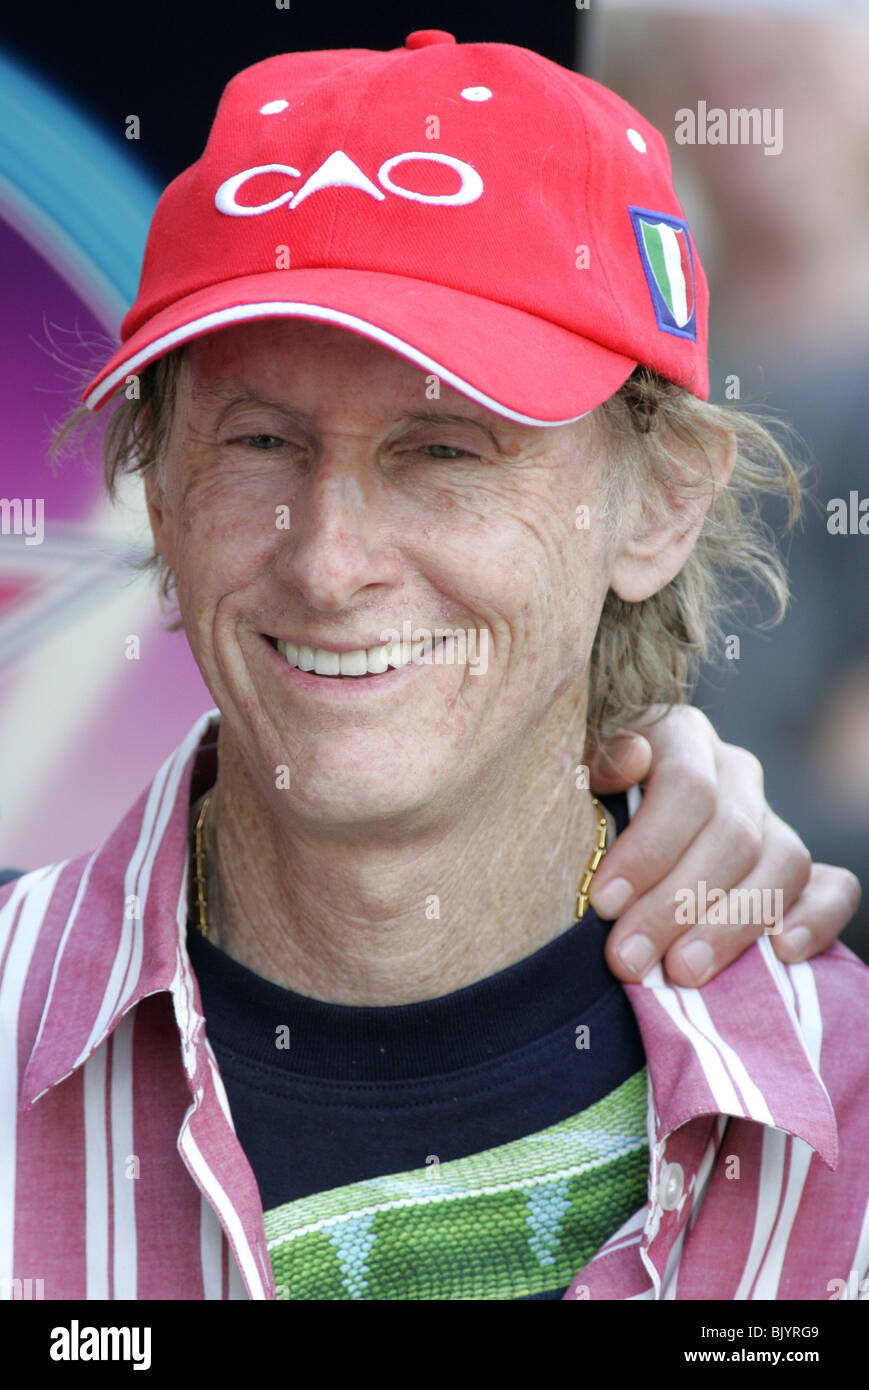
x=282, y=309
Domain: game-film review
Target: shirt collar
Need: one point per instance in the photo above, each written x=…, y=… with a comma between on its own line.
x=747, y=1044
x=119, y=920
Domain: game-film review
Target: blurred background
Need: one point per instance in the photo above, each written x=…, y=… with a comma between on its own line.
x=784, y=238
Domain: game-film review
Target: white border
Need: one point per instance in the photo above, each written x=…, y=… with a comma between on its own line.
x=290, y=309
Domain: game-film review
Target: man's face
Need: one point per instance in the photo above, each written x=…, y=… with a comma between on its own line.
x=314, y=493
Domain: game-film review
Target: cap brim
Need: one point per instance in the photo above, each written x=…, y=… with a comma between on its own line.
x=510, y=361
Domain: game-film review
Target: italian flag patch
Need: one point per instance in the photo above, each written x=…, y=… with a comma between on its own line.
x=665, y=250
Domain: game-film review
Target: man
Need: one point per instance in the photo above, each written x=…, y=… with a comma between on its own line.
x=404, y=423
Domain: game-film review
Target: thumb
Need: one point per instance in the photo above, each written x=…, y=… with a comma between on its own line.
x=619, y=761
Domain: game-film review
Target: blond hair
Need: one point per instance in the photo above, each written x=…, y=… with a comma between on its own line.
x=647, y=653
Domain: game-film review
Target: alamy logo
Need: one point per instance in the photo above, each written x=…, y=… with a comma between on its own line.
x=23, y=516
x=740, y=907
x=76, y=1343
x=712, y=125
x=340, y=171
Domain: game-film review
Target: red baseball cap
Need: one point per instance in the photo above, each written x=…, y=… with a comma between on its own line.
x=500, y=221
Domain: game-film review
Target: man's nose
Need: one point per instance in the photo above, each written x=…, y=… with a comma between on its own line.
x=338, y=536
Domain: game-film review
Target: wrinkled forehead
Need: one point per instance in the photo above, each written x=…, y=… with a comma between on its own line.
x=318, y=370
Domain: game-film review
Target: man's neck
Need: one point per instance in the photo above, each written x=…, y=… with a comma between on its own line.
x=397, y=920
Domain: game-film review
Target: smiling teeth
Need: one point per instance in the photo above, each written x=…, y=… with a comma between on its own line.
x=364, y=661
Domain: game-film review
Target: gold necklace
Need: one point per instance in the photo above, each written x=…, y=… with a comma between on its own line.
x=597, y=856
x=581, y=891
x=201, y=895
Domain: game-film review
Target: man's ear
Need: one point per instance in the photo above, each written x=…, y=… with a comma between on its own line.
x=661, y=533
x=162, y=528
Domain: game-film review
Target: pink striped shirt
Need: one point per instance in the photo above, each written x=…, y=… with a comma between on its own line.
x=122, y=1177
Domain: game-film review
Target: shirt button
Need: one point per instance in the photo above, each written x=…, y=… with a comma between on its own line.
x=671, y=1186
x=421, y=38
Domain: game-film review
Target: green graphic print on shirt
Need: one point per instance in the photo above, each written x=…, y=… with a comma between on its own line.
x=516, y=1220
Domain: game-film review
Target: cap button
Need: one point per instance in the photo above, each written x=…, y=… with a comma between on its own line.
x=421, y=38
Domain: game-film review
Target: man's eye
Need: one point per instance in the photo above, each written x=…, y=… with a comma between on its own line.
x=261, y=441
x=452, y=449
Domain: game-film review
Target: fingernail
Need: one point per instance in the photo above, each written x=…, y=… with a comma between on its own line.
x=637, y=953
x=697, y=957
x=795, y=942
x=612, y=899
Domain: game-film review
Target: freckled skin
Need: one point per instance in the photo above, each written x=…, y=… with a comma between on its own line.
x=455, y=784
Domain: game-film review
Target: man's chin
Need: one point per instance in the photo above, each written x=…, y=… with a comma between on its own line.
x=358, y=812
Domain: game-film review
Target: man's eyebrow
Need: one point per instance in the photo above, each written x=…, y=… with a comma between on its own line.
x=233, y=395
x=441, y=417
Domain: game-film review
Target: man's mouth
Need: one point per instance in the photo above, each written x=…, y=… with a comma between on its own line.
x=363, y=661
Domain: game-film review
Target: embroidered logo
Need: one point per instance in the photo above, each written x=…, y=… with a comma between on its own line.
x=668, y=261
x=339, y=170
